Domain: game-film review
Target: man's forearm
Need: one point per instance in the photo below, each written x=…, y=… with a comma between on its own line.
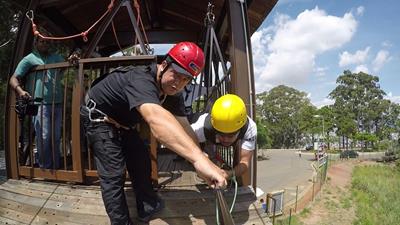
x=240, y=169
x=188, y=129
x=15, y=84
x=169, y=132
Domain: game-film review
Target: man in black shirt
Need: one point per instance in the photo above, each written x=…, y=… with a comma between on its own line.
x=118, y=102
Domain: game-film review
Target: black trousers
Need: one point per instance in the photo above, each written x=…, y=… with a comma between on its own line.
x=113, y=150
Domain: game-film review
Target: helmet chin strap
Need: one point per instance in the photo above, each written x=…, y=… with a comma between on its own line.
x=161, y=75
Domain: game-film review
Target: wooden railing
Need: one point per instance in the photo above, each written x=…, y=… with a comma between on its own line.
x=73, y=161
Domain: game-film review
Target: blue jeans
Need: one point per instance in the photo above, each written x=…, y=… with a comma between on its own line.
x=48, y=136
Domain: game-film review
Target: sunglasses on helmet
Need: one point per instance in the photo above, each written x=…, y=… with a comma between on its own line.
x=180, y=70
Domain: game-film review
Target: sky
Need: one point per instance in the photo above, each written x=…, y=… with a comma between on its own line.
x=307, y=44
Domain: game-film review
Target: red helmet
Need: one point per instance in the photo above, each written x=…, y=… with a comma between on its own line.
x=189, y=56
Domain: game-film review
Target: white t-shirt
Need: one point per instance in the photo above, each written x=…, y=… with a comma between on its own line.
x=248, y=141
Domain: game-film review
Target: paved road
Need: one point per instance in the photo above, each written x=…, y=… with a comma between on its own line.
x=284, y=170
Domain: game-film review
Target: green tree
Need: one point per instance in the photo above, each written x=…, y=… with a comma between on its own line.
x=283, y=108
x=9, y=18
x=263, y=140
x=326, y=114
x=357, y=93
x=309, y=126
x=358, y=103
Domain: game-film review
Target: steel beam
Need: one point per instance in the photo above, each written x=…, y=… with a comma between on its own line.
x=102, y=28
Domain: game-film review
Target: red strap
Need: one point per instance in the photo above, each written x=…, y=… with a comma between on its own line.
x=82, y=34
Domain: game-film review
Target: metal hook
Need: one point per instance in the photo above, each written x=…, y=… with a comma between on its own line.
x=149, y=49
x=210, y=17
x=30, y=17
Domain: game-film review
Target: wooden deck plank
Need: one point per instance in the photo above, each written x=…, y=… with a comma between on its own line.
x=21, y=198
x=246, y=218
x=16, y=215
x=79, y=190
x=22, y=190
x=4, y=220
x=32, y=185
x=52, y=216
x=204, y=193
x=76, y=205
x=80, y=204
x=18, y=206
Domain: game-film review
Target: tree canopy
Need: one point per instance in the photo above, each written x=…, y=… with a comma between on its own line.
x=360, y=112
x=283, y=109
x=9, y=18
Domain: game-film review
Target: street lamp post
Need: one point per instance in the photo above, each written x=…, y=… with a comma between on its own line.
x=323, y=127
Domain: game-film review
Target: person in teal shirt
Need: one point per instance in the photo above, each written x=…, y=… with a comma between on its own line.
x=45, y=85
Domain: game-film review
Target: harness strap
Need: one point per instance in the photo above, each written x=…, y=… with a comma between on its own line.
x=91, y=107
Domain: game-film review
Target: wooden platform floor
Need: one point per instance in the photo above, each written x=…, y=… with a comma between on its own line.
x=187, y=201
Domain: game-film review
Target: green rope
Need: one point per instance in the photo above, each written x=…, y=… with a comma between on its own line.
x=233, y=178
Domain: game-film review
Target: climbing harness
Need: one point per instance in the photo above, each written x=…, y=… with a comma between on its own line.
x=91, y=107
x=102, y=117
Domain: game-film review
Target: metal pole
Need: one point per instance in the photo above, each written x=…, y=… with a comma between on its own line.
x=323, y=130
x=273, y=218
x=138, y=34
x=297, y=193
x=313, y=190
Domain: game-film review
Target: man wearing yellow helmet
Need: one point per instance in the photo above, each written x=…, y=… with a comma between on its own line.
x=227, y=124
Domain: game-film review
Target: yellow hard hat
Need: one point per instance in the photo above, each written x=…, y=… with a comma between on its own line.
x=228, y=114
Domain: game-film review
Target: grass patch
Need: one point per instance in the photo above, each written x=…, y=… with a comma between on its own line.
x=331, y=205
x=345, y=203
x=305, y=212
x=293, y=221
x=376, y=192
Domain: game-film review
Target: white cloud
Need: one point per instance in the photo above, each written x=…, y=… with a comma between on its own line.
x=323, y=102
x=285, y=52
x=361, y=68
x=347, y=58
x=386, y=44
x=292, y=1
x=320, y=71
x=381, y=58
x=395, y=99
x=360, y=10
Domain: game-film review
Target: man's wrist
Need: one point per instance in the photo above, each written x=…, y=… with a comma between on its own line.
x=230, y=173
x=18, y=89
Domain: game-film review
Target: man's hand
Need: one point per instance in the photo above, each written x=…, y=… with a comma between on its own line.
x=74, y=57
x=227, y=174
x=210, y=172
x=22, y=93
